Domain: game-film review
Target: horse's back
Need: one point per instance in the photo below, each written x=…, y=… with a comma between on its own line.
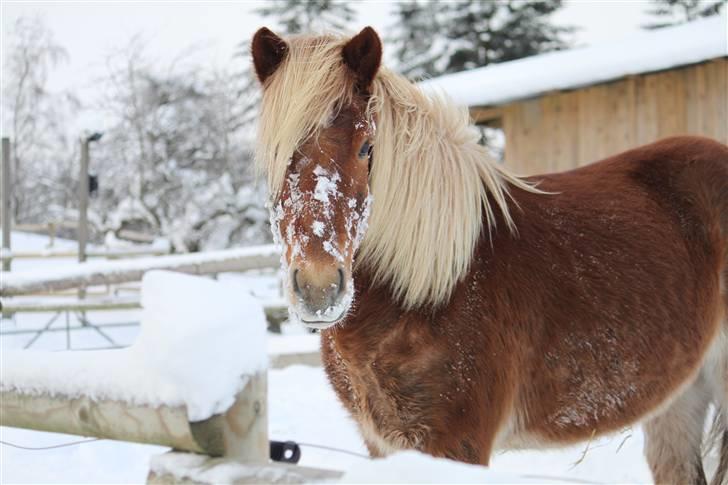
x=620, y=267
x=678, y=183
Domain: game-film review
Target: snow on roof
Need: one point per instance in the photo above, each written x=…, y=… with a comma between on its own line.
x=198, y=338
x=647, y=51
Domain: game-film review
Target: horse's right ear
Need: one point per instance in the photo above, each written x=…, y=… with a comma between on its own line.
x=268, y=50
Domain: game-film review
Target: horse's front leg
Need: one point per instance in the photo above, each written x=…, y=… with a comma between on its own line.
x=471, y=436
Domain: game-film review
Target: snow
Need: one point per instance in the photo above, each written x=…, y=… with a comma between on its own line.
x=302, y=407
x=326, y=186
x=198, y=337
x=415, y=467
x=294, y=344
x=640, y=53
x=195, y=468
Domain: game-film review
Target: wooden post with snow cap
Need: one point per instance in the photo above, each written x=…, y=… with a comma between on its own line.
x=239, y=433
x=194, y=379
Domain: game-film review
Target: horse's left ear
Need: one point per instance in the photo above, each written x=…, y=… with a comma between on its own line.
x=363, y=54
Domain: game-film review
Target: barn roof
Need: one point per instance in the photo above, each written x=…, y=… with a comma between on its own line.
x=644, y=52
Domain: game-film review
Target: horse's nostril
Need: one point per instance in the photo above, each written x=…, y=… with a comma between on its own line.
x=296, y=287
x=341, y=282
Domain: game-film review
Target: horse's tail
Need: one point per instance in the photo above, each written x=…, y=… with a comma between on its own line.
x=715, y=186
x=716, y=443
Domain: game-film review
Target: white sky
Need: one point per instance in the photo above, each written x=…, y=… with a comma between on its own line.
x=89, y=30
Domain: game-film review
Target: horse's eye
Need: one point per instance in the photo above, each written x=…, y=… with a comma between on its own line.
x=365, y=149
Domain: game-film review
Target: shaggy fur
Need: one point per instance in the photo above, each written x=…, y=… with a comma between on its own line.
x=605, y=307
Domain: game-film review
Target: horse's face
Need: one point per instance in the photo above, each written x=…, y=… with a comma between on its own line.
x=320, y=215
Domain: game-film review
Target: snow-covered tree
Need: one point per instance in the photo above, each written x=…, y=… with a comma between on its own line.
x=297, y=16
x=673, y=12
x=176, y=161
x=438, y=37
x=35, y=120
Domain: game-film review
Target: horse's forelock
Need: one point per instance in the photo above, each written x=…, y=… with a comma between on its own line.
x=301, y=97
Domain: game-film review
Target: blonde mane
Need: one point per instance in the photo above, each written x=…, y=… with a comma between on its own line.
x=430, y=178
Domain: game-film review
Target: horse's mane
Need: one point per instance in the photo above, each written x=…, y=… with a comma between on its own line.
x=430, y=178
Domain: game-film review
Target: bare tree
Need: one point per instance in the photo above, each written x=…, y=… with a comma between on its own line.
x=178, y=151
x=36, y=119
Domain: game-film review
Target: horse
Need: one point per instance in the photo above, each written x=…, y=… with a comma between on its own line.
x=464, y=309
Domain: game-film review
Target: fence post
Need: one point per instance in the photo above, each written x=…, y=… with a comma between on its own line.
x=6, y=200
x=83, y=202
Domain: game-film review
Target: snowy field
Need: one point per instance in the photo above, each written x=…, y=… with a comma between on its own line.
x=302, y=408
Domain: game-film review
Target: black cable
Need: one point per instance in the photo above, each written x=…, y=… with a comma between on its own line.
x=330, y=448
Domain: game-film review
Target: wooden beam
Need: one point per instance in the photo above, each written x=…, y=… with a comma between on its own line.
x=175, y=467
x=276, y=311
x=91, y=253
x=485, y=115
x=280, y=361
x=241, y=433
x=115, y=272
x=70, y=304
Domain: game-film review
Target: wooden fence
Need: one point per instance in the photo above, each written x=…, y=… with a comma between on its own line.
x=236, y=437
x=115, y=272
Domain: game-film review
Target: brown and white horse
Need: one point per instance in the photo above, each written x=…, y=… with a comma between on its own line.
x=479, y=310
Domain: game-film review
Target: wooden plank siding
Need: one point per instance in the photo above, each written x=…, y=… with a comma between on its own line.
x=562, y=130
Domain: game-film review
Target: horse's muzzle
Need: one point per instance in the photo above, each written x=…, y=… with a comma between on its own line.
x=320, y=295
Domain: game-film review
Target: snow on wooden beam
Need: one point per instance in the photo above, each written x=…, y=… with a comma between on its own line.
x=239, y=433
x=175, y=467
x=194, y=379
x=115, y=272
x=92, y=253
x=276, y=310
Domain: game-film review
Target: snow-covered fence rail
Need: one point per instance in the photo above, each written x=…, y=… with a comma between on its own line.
x=194, y=380
x=115, y=272
x=91, y=253
x=239, y=432
x=276, y=310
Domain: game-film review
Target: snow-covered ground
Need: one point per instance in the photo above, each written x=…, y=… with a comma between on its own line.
x=302, y=408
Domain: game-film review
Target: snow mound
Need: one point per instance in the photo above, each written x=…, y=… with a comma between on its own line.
x=198, y=338
x=416, y=467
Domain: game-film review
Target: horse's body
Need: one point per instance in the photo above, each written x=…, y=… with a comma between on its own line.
x=488, y=314
x=600, y=311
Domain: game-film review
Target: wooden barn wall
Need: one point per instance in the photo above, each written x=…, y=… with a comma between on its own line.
x=564, y=130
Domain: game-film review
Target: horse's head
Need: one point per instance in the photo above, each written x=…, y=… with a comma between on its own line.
x=320, y=208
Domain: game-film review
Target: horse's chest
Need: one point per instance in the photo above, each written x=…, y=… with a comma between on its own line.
x=398, y=389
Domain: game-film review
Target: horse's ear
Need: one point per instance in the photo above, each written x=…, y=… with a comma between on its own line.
x=363, y=54
x=269, y=50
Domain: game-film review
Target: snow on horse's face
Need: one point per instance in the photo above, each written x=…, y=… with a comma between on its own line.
x=320, y=214
x=321, y=217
